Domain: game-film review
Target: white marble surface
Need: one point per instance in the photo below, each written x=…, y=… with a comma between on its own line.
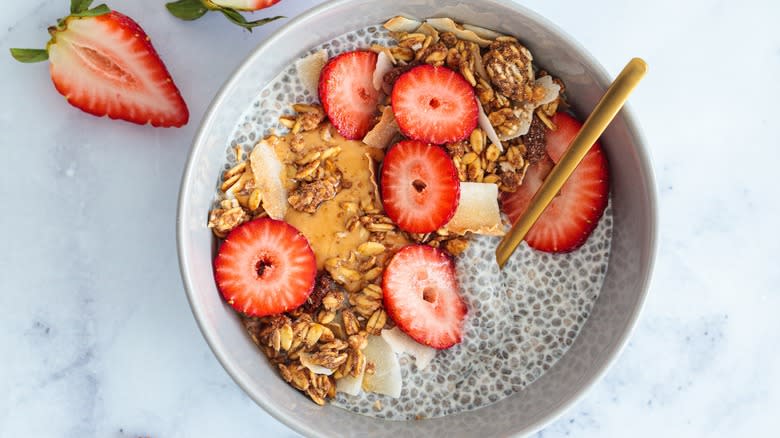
x=95, y=332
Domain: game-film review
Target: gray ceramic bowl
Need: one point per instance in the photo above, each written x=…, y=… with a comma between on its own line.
x=630, y=264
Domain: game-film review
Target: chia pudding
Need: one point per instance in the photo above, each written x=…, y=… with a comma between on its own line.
x=520, y=319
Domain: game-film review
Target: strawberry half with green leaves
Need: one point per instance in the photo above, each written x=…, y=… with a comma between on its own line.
x=105, y=64
x=231, y=9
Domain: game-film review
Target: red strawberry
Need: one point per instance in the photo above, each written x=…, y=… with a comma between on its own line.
x=347, y=92
x=434, y=105
x=265, y=267
x=105, y=65
x=245, y=5
x=420, y=186
x=421, y=295
x=568, y=221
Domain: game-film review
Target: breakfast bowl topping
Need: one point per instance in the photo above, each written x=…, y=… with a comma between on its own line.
x=434, y=105
x=371, y=179
x=422, y=297
x=420, y=186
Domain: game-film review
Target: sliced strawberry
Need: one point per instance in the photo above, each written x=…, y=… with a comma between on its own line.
x=421, y=296
x=566, y=128
x=420, y=186
x=570, y=218
x=347, y=92
x=265, y=267
x=106, y=65
x=434, y=105
x=245, y=5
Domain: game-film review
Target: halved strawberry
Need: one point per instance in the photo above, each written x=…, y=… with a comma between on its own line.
x=420, y=186
x=421, y=296
x=570, y=218
x=347, y=92
x=265, y=267
x=105, y=64
x=434, y=105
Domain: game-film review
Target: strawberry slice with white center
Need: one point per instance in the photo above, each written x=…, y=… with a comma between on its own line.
x=419, y=186
x=574, y=213
x=105, y=64
x=421, y=295
x=434, y=105
x=347, y=92
x=265, y=267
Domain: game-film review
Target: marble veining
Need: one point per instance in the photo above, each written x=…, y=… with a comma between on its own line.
x=96, y=334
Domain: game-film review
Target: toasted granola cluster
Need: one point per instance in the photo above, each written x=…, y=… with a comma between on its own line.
x=508, y=65
x=240, y=198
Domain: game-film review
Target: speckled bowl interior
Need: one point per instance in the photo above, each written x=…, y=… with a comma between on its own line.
x=601, y=338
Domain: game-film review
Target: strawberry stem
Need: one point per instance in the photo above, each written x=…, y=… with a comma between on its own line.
x=30, y=55
x=193, y=9
x=94, y=12
x=239, y=19
x=78, y=8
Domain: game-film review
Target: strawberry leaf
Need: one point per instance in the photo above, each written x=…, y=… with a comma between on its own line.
x=250, y=24
x=239, y=19
x=30, y=55
x=187, y=9
x=94, y=12
x=79, y=6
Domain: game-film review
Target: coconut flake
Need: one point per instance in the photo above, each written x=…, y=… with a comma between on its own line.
x=309, y=69
x=383, y=65
x=267, y=170
x=401, y=24
x=484, y=123
x=481, y=32
x=447, y=25
x=387, y=372
x=351, y=385
x=551, y=89
x=427, y=29
x=316, y=369
x=383, y=133
x=401, y=343
x=478, y=211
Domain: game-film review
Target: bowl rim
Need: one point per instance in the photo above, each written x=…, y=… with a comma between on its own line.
x=602, y=79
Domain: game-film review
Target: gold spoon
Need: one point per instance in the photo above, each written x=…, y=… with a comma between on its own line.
x=606, y=110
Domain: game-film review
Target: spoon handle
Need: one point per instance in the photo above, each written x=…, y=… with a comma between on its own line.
x=606, y=110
